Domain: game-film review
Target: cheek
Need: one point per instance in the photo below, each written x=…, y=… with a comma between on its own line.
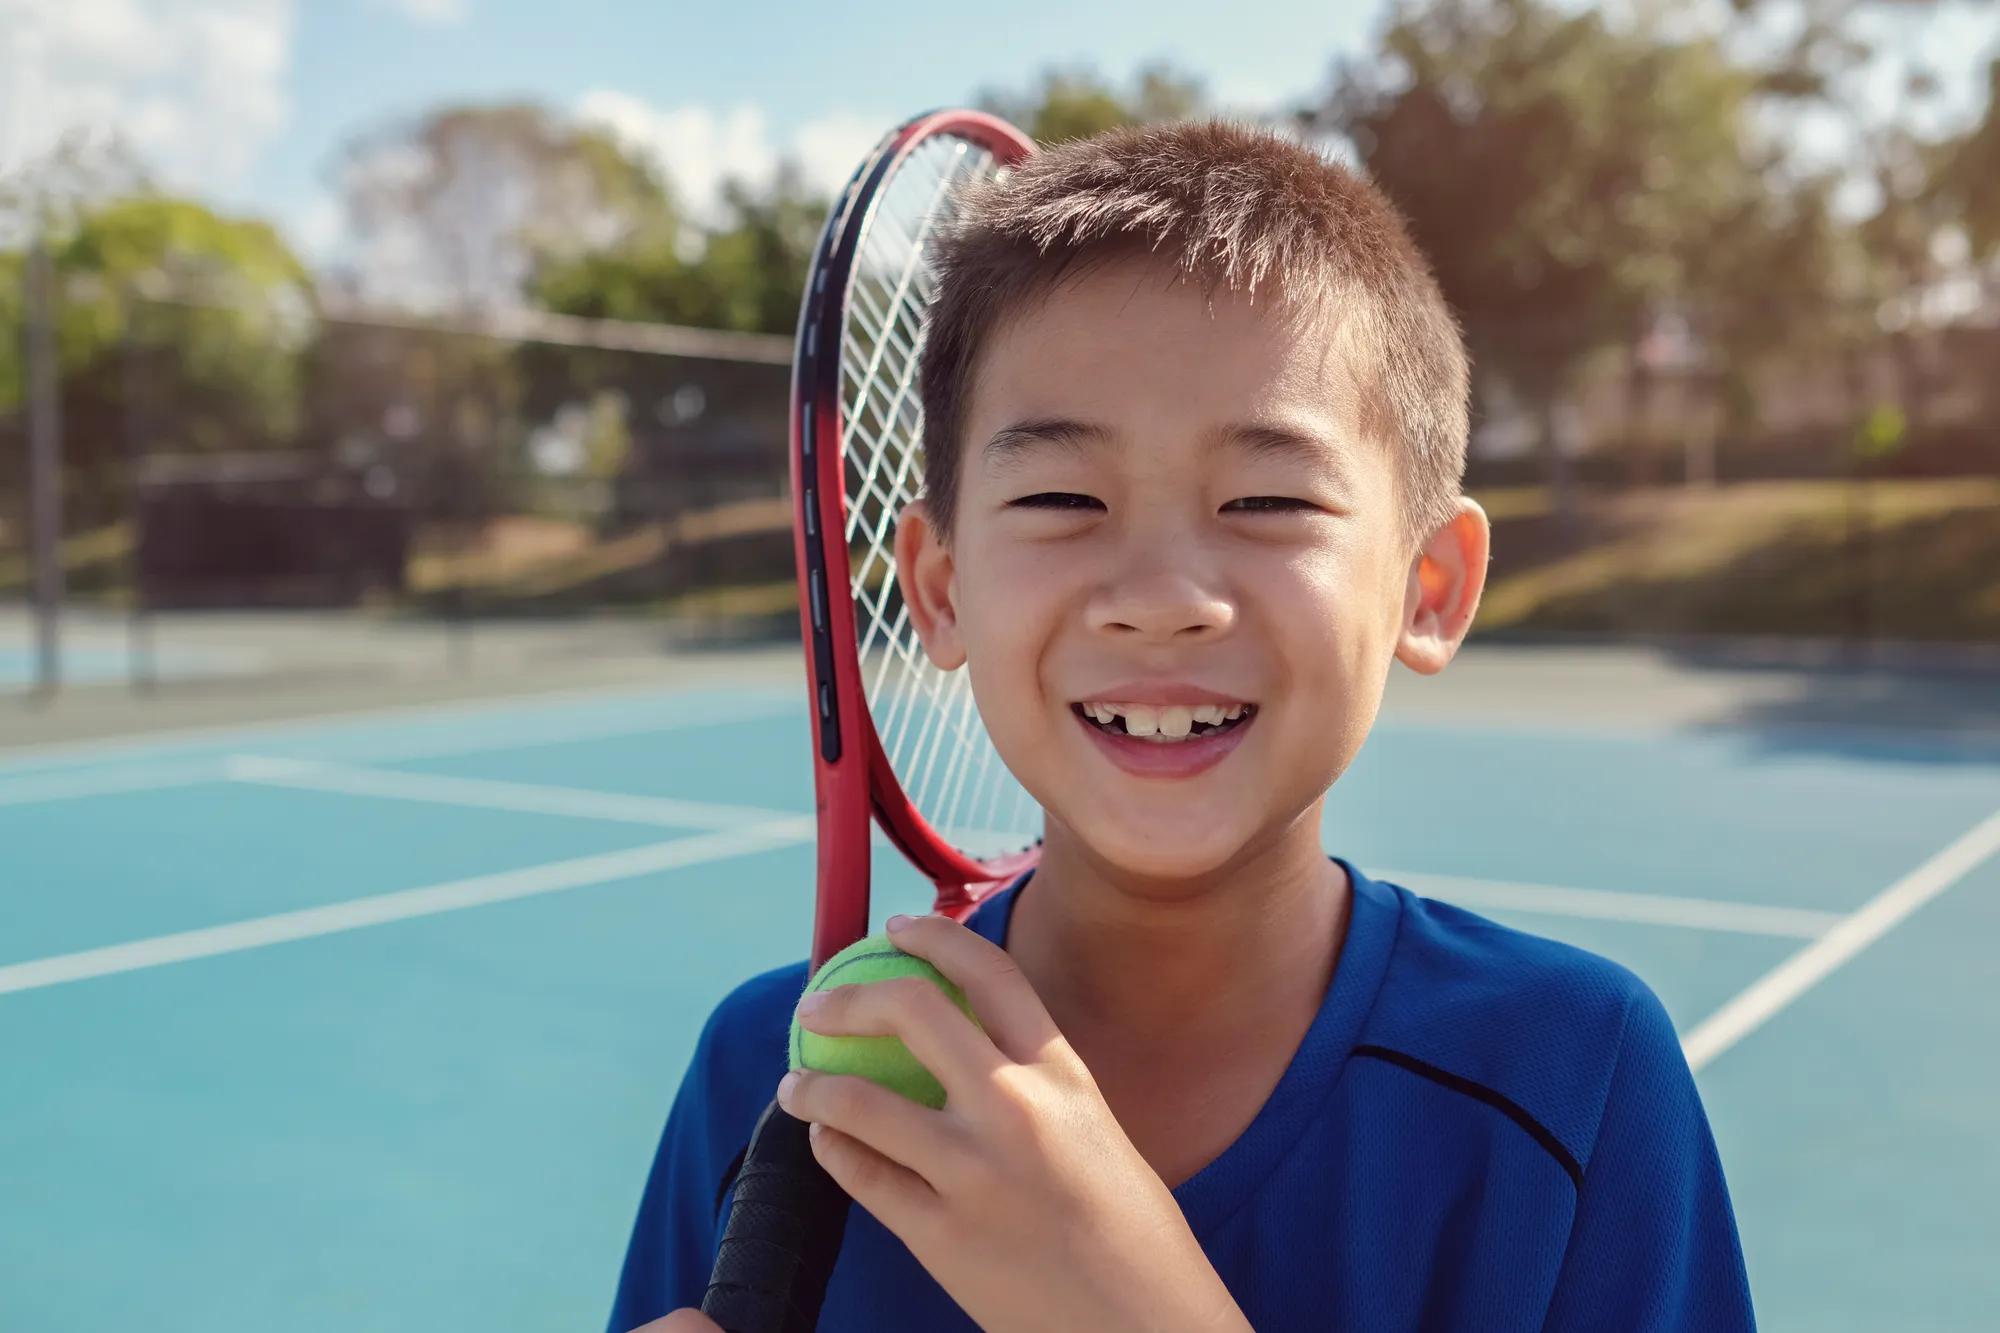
x=1332, y=612
x=1010, y=600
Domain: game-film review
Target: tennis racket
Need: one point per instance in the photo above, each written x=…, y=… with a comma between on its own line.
x=896, y=742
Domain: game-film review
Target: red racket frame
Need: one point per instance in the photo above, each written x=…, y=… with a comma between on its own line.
x=853, y=780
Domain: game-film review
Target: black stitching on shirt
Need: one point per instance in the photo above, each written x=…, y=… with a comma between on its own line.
x=1499, y=1101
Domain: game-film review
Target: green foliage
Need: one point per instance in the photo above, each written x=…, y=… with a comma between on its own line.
x=1076, y=103
x=1564, y=176
x=746, y=277
x=1970, y=174
x=205, y=316
x=13, y=316
x=746, y=274
x=1881, y=434
x=470, y=202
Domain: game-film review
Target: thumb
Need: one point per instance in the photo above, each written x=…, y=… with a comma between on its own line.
x=682, y=1321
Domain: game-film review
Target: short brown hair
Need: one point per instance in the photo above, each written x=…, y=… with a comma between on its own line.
x=1224, y=204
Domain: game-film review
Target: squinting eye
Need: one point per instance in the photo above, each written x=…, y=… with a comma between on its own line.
x=1056, y=500
x=1269, y=504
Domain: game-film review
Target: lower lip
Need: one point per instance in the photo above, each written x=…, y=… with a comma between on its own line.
x=1172, y=759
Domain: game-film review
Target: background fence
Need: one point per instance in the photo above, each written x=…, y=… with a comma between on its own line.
x=250, y=495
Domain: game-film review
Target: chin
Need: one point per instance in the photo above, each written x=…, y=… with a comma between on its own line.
x=1149, y=850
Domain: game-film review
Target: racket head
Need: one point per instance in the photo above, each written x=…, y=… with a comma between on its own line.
x=895, y=740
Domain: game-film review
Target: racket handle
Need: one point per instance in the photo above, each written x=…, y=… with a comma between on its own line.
x=783, y=1234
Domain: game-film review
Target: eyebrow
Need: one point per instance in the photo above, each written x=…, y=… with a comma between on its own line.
x=1269, y=440
x=1023, y=437
x=1258, y=439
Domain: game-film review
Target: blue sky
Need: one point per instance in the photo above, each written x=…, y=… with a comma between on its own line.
x=248, y=101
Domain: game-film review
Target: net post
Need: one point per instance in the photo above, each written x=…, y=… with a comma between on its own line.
x=141, y=664
x=44, y=466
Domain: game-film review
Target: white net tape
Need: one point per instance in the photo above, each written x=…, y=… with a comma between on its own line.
x=929, y=727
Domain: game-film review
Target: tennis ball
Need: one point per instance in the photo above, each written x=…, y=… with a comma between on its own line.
x=883, y=1060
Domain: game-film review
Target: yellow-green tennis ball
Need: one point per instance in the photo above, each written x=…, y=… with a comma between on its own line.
x=885, y=1060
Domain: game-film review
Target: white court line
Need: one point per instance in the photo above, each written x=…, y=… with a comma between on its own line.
x=62, y=784
x=531, y=798
x=36, y=787
x=554, y=732
x=456, y=895
x=110, y=749
x=1855, y=932
x=1653, y=909
x=487, y=793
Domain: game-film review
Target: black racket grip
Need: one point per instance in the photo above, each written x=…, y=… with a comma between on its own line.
x=783, y=1234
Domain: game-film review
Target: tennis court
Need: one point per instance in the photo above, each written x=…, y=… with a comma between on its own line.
x=369, y=1021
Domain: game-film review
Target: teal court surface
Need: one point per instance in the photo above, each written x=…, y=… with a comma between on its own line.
x=371, y=1021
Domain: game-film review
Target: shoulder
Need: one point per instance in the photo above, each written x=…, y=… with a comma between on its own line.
x=741, y=1052
x=1529, y=1022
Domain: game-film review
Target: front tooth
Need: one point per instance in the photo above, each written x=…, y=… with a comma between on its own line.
x=1208, y=715
x=1141, y=720
x=1176, y=721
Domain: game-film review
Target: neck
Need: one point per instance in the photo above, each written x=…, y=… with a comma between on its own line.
x=1157, y=960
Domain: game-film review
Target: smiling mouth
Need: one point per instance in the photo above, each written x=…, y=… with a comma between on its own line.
x=1163, y=725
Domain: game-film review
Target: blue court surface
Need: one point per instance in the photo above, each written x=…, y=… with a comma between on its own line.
x=371, y=1022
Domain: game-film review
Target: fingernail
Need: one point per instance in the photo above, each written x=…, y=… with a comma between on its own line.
x=812, y=1131
x=786, y=1086
x=898, y=921
x=813, y=1002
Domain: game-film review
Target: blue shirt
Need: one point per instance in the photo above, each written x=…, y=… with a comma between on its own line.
x=1482, y=1130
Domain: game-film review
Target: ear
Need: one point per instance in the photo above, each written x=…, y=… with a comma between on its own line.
x=929, y=583
x=1442, y=591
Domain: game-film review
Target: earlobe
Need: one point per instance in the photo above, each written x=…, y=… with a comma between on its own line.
x=1442, y=590
x=927, y=577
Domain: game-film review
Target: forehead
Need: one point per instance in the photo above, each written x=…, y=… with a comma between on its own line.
x=1129, y=341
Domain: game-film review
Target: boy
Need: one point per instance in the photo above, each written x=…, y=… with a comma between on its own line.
x=1195, y=427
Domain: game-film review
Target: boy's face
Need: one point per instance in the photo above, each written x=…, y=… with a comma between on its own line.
x=1165, y=506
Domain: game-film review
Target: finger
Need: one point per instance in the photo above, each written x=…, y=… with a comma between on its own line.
x=681, y=1321
x=1008, y=1008
x=897, y=1196
x=939, y=1034
x=914, y=1137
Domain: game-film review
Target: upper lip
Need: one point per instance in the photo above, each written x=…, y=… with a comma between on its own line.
x=1160, y=694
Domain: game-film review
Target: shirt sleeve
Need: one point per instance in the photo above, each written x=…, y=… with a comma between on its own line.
x=735, y=1068
x=673, y=1240
x=1654, y=1245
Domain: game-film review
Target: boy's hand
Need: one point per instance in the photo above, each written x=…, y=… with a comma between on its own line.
x=681, y=1321
x=1022, y=1197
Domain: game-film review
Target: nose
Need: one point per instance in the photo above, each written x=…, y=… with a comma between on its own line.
x=1163, y=592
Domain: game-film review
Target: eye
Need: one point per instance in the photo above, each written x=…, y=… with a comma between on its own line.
x=1060, y=500
x=1269, y=504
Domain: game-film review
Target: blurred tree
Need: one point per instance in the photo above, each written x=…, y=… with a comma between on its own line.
x=213, y=312
x=752, y=271
x=1970, y=175
x=1074, y=103
x=746, y=276
x=52, y=190
x=1916, y=185
x=746, y=272
x=1567, y=178
x=460, y=207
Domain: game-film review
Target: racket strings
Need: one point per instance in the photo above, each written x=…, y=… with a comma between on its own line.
x=926, y=718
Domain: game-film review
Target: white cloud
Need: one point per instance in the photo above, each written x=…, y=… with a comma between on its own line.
x=829, y=149
x=434, y=13
x=698, y=148
x=319, y=229
x=196, y=86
